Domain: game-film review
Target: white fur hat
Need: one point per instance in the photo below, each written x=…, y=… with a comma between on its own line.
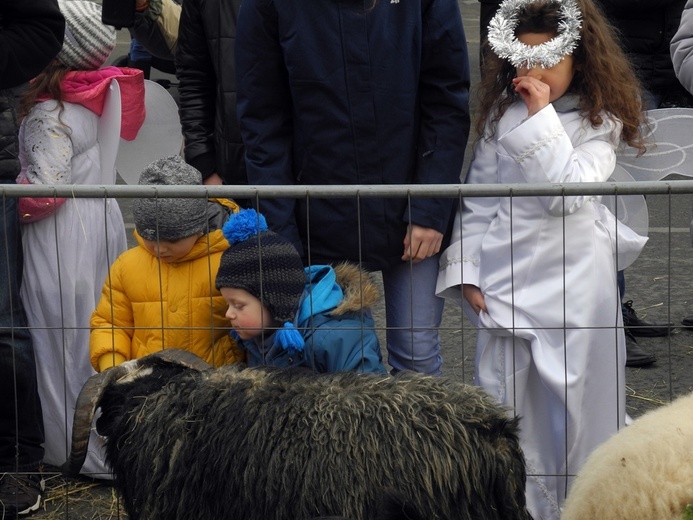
x=88, y=42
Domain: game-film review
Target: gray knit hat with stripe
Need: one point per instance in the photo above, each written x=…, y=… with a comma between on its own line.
x=263, y=263
x=168, y=218
x=88, y=42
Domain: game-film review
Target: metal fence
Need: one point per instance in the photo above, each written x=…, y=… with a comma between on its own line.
x=658, y=282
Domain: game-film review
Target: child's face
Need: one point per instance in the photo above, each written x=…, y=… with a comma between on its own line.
x=170, y=251
x=246, y=313
x=558, y=77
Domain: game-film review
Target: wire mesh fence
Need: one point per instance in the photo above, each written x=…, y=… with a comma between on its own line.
x=658, y=283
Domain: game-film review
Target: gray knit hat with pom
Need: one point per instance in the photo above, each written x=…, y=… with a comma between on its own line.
x=88, y=42
x=167, y=218
x=263, y=263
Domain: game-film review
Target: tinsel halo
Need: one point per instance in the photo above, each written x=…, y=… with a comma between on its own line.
x=502, y=39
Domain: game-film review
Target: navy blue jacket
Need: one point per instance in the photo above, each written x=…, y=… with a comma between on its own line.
x=343, y=92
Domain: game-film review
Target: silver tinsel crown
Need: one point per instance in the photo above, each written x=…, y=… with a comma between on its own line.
x=502, y=39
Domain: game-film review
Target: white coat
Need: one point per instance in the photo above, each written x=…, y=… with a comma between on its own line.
x=66, y=260
x=551, y=346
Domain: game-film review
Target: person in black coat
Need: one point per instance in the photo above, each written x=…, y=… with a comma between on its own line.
x=207, y=90
x=646, y=28
x=31, y=35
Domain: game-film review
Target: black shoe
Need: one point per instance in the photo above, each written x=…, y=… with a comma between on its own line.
x=687, y=322
x=635, y=356
x=20, y=493
x=638, y=327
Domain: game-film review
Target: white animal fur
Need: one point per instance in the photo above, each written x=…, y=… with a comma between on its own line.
x=644, y=472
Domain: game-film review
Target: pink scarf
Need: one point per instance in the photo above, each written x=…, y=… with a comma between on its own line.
x=89, y=88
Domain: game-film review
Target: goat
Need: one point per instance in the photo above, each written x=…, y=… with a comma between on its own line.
x=185, y=440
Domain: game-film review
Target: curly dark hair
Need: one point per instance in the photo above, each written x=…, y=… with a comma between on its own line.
x=603, y=78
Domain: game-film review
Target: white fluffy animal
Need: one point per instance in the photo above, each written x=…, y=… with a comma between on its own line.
x=644, y=472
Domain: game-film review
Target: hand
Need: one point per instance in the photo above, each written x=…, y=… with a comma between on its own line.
x=533, y=92
x=474, y=297
x=420, y=243
x=213, y=179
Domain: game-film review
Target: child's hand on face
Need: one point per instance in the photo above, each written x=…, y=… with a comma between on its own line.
x=533, y=91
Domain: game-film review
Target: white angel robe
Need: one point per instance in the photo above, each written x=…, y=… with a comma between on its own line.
x=66, y=260
x=552, y=346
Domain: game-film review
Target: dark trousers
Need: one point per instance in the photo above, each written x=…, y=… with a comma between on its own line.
x=21, y=422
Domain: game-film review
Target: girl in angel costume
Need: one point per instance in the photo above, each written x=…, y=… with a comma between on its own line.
x=70, y=243
x=538, y=274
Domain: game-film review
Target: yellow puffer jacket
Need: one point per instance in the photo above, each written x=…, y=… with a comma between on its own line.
x=146, y=306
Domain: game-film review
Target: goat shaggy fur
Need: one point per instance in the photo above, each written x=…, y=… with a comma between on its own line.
x=281, y=444
x=644, y=472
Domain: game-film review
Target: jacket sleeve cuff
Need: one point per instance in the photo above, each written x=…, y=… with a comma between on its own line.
x=110, y=360
x=205, y=163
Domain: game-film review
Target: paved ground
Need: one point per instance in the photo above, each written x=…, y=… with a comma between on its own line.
x=658, y=283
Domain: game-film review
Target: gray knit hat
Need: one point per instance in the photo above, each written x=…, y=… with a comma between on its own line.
x=170, y=219
x=88, y=42
x=262, y=263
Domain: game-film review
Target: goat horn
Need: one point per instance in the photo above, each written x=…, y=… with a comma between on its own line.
x=180, y=357
x=92, y=391
x=87, y=403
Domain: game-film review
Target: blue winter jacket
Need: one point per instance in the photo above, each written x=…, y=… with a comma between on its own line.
x=343, y=92
x=338, y=335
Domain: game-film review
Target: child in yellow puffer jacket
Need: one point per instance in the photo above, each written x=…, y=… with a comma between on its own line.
x=161, y=294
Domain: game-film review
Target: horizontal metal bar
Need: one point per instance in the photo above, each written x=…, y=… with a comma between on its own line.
x=376, y=190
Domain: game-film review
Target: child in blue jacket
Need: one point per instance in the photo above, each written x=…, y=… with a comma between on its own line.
x=286, y=315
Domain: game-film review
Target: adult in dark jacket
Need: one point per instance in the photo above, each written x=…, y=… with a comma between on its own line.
x=646, y=28
x=360, y=93
x=31, y=35
x=207, y=90
x=681, y=49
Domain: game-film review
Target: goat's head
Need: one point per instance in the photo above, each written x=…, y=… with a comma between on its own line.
x=159, y=369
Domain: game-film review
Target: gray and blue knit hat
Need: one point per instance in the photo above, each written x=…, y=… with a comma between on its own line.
x=88, y=42
x=267, y=266
x=168, y=218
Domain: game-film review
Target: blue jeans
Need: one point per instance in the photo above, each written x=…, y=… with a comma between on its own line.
x=138, y=52
x=413, y=316
x=21, y=422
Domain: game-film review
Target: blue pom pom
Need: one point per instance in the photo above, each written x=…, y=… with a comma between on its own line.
x=243, y=225
x=289, y=338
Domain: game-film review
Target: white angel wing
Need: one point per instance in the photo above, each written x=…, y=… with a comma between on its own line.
x=670, y=141
x=160, y=135
x=108, y=133
x=631, y=210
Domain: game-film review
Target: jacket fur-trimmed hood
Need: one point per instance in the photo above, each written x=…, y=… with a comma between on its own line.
x=359, y=287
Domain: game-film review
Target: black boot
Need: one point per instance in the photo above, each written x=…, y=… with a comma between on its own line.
x=639, y=327
x=635, y=356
